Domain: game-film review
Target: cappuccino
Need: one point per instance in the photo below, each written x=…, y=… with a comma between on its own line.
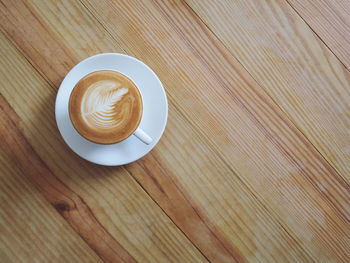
x=105, y=107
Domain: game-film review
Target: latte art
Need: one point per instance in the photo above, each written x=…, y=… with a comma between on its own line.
x=101, y=105
x=105, y=107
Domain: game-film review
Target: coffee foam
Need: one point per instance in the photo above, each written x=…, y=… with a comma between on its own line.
x=101, y=106
x=105, y=107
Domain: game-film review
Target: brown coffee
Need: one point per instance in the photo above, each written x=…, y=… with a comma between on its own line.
x=105, y=107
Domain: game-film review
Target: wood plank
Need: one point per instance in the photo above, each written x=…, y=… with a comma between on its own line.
x=221, y=102
x=330, y=20
x=30, y=229
x=255, y=200
x=208, y=239
x=293, y=66
x=108, y=209
x=206, y=194
x=43, y=41
x=186, y=216
x=70, y=205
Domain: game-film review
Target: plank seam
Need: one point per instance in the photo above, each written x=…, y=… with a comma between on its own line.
x=44, y=163
x=316, y=34
x=281, y=109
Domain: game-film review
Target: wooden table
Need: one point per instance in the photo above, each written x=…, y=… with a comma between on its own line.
x=254, y=165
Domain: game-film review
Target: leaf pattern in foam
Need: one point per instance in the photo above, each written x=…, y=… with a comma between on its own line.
x=99, y=104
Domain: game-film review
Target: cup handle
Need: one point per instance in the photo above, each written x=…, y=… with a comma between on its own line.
x=142, y=136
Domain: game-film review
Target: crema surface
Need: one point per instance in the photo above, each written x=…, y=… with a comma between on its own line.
x=105, y=107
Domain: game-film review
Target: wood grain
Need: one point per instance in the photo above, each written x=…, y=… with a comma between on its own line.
x=105, y=206
x=70, y=10
x=193, y=54
x=30, y=229
x=232, y=175
x=199, y=237
x=66, y=202
x=294, y=67
x=330, y=20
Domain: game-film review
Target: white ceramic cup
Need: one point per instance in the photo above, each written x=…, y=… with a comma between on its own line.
x=139, y=133
x=142, y=136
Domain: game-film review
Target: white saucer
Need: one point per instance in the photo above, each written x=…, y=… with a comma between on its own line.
x=154, y=117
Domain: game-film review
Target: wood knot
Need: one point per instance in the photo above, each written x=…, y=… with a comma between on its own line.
x=62, y=207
